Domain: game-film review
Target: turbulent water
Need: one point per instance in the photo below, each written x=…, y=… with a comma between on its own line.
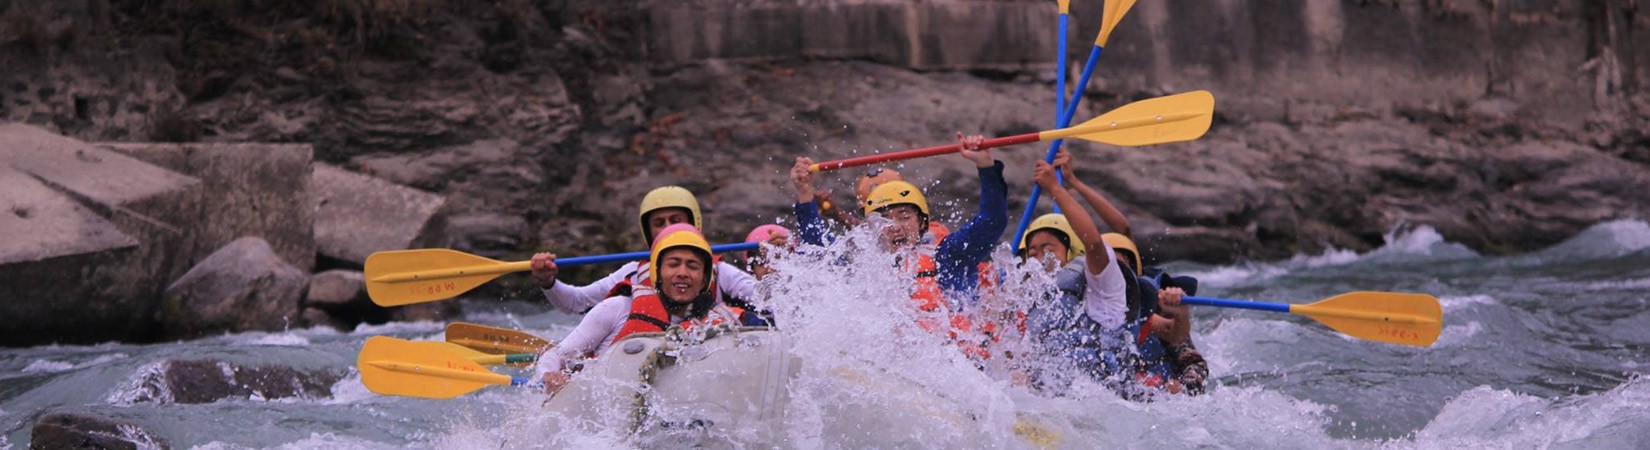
x=1540, y=350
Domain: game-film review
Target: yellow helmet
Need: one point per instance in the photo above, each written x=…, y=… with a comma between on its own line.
x=669, y=197
x=1121, y=242
x=895, y=193
x=1056, y=222
x=680, y=235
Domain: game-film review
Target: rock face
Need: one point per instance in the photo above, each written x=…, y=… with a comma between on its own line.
x=70, y=430
x=242, y=286
x=1504, y=125
x=258, y=190
x=356, y=215
x=928, y=35
x=90, y=225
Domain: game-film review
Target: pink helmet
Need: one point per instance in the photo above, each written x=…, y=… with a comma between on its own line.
x=762, y=233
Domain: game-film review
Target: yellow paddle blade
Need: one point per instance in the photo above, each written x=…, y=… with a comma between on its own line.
x=1115, y=9
x=494, y=340
x=404, y=277
x=468, y=353
x=1397, y=318
x=391, y=366
x=1173, y=118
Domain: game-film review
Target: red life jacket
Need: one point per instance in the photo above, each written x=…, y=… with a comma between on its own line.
x=648, y=315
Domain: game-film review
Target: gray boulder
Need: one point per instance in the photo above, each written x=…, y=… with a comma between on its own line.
x=207, y=381
x=335, y=288
x=356, y=215
x=241, y=287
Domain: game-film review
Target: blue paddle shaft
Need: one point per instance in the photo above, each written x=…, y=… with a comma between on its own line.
x=1060, y=74
x=638, y=256
x=1240, y=304
x=1054, y=147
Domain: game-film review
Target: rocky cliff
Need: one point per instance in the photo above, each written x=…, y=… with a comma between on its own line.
x=1505, y=125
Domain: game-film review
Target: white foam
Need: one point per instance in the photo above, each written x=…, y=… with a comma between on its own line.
x=1455, y=335
x=1484, y=417
x=314, y=441
x=398, y=328
x=1456, y=303
x=47, y=366
x=147, y=384
x=349, y=390
x=273, y=339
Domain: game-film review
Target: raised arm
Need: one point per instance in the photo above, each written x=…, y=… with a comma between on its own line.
x=1081, y=222
x=1108, y=213
x=810, y=226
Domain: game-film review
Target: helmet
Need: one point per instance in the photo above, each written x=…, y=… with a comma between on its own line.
x=680, y=235
x=895, y=193
x=872, y=179
x=669, y=197
x=1121, y=242
x=1058, y=223
x=762, y=233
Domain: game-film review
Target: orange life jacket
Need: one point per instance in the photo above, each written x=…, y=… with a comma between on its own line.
x=648, y=315
x=927, y=298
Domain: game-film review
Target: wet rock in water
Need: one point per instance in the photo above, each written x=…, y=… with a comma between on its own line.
x=93, y=234
x=258, y=190
x=69, y=430
x=335, y=288
x=206, y=381
x=356, y=215
x=241, y=287
x=316, y=317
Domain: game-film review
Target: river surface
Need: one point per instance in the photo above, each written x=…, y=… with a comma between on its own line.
x=1539, y=350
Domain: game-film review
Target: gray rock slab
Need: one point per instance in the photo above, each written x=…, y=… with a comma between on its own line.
x=126, y=218
x=356, y=215
x=42, y=223
x=258, y=190
x=242, y=287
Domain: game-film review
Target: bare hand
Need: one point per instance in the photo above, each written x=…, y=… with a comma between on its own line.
x=1178, y=329
x=1044, y=176
x=971, y=150
x=1062, y=160
x=802, y=176
x=554, y=381
x=544, y=269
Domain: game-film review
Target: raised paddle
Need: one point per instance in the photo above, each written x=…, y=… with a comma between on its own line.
x=1060, y=64
x=1110, y=17
x=482, y=358
x=495, y=341
x=404, y=277
x=391, y=366
x=1174, y=118
x=1391, y=317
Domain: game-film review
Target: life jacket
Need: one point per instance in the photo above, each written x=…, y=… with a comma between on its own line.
x=648, y=315
x=1153, y=367
x=1063, y=330
x=928, y=299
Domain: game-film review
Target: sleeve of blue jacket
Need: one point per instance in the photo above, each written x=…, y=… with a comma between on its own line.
x=809, y=223
x=959, y=256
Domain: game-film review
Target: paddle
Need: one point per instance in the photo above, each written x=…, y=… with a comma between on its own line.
x=1060, y=64
x=403, y=277
x=1391, y=317
x=1173, y=118
x=1110, y=17
x=496, y=341
x=482, y=358
x=391, y=366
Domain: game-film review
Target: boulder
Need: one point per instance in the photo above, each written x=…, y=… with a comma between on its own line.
x=356, y=215
x=258, y=190
x=316, y=317
x=93, y=231
x=207, y=381
x=241, y=287
x=335, y=288
x=70, y=430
